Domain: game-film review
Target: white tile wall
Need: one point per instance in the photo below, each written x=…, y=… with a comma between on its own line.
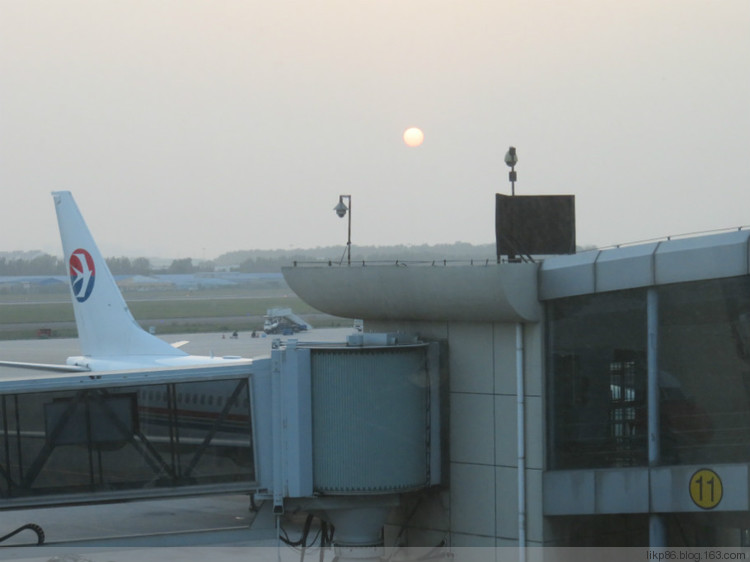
x=472, y=428
x=471, y=358
x=534, y=432
x=534, y=518
x=505, y=358
x=473, y=499
x=534, y=359
x=506, y=498
x=480, y=505
x=506, y=423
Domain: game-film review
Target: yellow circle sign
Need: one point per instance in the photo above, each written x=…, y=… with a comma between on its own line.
x=706, y=489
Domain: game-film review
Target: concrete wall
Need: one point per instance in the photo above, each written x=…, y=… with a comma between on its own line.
x=477, y=506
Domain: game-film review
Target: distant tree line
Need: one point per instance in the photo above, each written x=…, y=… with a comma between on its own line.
x=263, y=261
x=126, y=266
x=259, y=261
x=44, y=264
x=186, y=265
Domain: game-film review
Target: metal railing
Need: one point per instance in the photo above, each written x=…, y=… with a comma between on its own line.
x=668, y=238
x=486, y=262
x=400, y=263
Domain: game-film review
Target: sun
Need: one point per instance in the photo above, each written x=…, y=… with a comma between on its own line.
x=413, y=136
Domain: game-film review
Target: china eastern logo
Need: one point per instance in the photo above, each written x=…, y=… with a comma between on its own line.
x=82, y=274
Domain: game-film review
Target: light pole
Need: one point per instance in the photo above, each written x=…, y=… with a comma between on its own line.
x=511, y=160
x=341, y=210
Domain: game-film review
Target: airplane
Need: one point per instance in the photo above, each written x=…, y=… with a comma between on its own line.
x=109, y=336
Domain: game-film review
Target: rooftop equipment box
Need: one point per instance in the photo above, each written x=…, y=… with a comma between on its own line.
x=535, y=224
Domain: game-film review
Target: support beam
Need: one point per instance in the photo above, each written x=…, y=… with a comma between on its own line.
x=656, y=528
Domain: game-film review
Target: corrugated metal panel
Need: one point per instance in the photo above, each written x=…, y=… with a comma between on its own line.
x=565, y=276
x=707, y=257
x=625, y=268
x=370, y=420
x=664, y=489
x=671, y=261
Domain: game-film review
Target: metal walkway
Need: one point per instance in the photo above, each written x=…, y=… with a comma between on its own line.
x=126, y=435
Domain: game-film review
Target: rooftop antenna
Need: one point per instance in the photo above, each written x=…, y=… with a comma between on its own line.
x=511, y=160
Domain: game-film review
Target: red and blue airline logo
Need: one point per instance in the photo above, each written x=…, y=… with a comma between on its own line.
x=82, y=274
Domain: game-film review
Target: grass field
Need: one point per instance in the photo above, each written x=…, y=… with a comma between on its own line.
x=168, y=312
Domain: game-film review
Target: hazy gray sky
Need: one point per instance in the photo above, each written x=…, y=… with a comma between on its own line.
x=189, y=129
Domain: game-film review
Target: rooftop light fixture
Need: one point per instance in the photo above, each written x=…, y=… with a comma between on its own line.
x=341, y=210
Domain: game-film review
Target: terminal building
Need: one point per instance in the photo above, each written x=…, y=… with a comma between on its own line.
x=599, y=398
x=591, y=399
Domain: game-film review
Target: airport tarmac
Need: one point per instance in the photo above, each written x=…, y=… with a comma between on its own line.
x=201, y=521
x=57, y=350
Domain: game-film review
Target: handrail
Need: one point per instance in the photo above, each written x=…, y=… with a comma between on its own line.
x=399, y=263
x=669, y=238
x=494, y=261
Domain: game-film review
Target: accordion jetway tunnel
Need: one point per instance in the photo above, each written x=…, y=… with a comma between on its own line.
x=336, y=430
x=352, y=426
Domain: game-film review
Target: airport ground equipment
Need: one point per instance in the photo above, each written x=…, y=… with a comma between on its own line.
x=283, y=321
x=338, y=430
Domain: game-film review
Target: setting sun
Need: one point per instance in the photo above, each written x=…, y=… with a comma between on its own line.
x=413, y=136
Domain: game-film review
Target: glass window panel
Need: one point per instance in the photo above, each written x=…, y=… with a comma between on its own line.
x=704, y=371
x=129, y=438
x=596, y=380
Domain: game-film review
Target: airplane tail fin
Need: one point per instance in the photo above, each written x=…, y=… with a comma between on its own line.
x=105, y=325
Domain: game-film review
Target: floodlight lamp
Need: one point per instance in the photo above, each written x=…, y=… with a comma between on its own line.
x=510, y=157
x=341, y=209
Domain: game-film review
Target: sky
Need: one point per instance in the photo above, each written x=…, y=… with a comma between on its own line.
x=191, y=128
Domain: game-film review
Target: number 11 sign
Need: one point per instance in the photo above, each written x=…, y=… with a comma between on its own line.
x=706, y=489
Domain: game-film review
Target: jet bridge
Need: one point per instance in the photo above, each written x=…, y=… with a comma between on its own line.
x=339, y=430
x=126, y=435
